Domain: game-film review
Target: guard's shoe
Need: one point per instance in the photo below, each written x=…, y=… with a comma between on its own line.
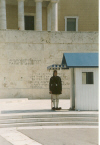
x=53, y=108
x=58, y=108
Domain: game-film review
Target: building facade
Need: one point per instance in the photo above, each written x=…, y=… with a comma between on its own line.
x=49, y=15
x=34, y=34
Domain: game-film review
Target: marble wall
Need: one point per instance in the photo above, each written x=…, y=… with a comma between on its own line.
x=25, y=55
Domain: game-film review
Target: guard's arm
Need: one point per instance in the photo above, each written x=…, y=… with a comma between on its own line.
x=50, y=86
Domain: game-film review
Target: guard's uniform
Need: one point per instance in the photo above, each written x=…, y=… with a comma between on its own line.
x=55, y=86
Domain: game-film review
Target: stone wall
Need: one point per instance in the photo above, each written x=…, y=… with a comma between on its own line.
x=25, y=55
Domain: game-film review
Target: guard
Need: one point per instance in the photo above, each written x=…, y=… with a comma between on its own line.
x=55, y=88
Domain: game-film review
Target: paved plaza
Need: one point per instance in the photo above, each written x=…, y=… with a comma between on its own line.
x=63, y=136
x=44, y=135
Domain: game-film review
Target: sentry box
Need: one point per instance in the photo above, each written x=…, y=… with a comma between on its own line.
x=84, y=79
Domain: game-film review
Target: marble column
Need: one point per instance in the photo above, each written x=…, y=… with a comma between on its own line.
x=21, y=25
x=49, y=17
x=54, y=15
x=38, y=15
x=3, y=23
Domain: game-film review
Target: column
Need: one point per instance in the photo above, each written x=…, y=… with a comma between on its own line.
x=54, y=15
x=49, y=17
x=21, y=25
x=38, y=15
x=3, y=24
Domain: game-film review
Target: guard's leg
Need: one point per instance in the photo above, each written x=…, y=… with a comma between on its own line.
x=57, y=101
x=54, y=100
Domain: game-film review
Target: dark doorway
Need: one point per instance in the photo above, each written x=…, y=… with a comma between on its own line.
x=29, y=22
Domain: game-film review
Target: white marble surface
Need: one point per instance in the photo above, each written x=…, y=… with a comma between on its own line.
x=3, y=141
x=31, y=104
x=25, y=56
x=17, y=138
x=59, y=37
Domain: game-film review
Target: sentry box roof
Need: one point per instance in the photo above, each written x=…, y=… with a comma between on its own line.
x=56, y=67
x=72, y=60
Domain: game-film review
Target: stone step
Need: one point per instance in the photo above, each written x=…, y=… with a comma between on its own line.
x=61, y=119
x=49, y=124
x=46, y=115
